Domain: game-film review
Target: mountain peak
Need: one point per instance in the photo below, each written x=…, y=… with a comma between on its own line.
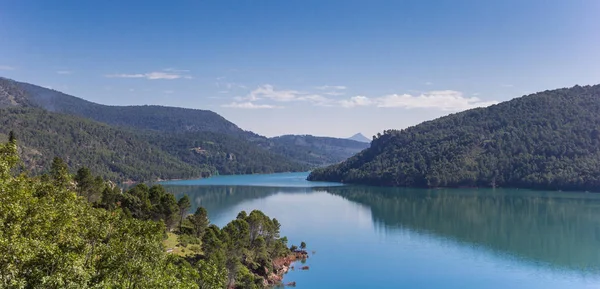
x=359, y=137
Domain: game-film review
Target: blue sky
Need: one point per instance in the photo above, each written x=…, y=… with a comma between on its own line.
x=305, y=67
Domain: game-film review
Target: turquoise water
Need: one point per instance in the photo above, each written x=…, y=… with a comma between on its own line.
x=268, y=180
x=365, y=237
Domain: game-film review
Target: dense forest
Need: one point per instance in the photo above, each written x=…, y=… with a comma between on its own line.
x=121, y=154
x=547, y=140
x=189, y=138
x=313, y=150
x=78, y=231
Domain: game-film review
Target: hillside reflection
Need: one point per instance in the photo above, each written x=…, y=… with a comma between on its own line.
x=548, y=228
x=219, y=199
x=558, y=229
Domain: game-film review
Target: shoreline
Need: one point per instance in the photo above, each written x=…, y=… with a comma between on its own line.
x=281, y=266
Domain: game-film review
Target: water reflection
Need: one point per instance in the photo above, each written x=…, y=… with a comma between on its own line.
x=220, y=199
x=558, y=229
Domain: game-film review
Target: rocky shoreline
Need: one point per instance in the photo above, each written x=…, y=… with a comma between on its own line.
x=282, y=265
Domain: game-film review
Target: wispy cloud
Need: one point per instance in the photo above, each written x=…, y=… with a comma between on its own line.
x=267, y=96
x=250, y=105
x=447, y=100
x=228, y=85
x=7, y=67
x=168, y=73
x=267, y=91
x=64, y=72
x=508, y=85
x=317, y=100
x=334, y=93
x=355, y=101
x=428, y=83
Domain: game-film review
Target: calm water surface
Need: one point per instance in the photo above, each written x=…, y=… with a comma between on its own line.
x=365, y=237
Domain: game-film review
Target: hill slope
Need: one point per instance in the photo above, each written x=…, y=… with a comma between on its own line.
x=152, y=117
x=123, y=154
x=547, y=140
x=308, y=150
x=110, y=152
x=315, y=151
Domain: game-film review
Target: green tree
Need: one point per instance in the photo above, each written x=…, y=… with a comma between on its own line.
x=60, y=172
x=183, y=204
x=199, y=221
x=302, y=245
x=211, y=275
x=51, y=238
x=11, y=137
x=88, y=186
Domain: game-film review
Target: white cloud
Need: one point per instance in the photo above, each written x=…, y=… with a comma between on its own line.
x=331, y=87
x=508, y=85
x=223, y=91
x=356, y=101
x=267, y=91
x=64, y=72
x=168, y=73
x=428, y=83
x=334, y=93
x=131, y=89
x=6, y=67
x=317, y=100
x=249, y=105
x=447, y=100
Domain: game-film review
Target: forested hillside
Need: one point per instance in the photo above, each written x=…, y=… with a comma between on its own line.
x=122, y=154
x=316, y=151
x=547, y=140
x=179, y=122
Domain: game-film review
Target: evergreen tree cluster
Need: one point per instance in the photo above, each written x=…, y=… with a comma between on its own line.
x=60, y=230
x=123, y=154
x=548, y=140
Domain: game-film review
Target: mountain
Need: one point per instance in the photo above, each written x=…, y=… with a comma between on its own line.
x=307, y=150
x=191, y=142
x=122, y=154
x=151, y=117
x=547, y=140
x=315, y=151
x=359, y=137
x=111, y=152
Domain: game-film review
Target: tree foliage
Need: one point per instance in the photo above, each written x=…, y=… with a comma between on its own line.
x=51, y=238
x=122, y=154
x=245, y=247
x=548, y=140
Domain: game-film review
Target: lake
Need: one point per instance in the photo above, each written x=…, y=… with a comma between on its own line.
x=369, y=237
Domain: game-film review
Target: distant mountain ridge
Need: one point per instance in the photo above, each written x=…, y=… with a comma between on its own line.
x=152, y=117
x=190, y=131
x=359, y=137
x=548, y=140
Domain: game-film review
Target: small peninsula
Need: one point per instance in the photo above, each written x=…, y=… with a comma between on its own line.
x=80, y=231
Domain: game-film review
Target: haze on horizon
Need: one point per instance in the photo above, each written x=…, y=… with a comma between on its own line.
x=303, y=67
